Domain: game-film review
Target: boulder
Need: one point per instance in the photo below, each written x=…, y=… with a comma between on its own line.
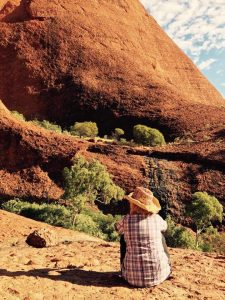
x=42, y=238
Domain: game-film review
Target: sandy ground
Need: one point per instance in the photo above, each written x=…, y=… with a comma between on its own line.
x=81, y=267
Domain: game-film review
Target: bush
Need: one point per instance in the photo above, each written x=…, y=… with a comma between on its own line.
x=66, y=132
x=105, y=224
x=86, y=224
x=204, y=209
x=48, y=125
x=18, y=115
x=97, y=224
x=118, y=132
x=85, y=129
x=212, y=240
x=178, y=236
x=49, y=213
x=123, y=141
x=87, y=181
x=15, y=205
x=148, y=136
x=93, y=223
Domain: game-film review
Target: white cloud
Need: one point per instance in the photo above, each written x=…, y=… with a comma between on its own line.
x=197, y=26
x=223, y=84
x=206, y=64
x=220, y=72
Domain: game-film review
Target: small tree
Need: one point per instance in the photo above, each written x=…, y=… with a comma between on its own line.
x=148, y=136
x=85, y=129
x=118, y=132
x=87, y=181
x=204, y=209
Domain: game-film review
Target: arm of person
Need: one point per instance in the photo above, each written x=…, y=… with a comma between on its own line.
x=163, y=223
x=119, y=226
x=163, y=226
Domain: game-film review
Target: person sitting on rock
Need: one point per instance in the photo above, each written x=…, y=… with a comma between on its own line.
x=144, y=256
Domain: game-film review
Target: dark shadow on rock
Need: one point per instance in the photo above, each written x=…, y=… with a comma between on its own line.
x=76, y=276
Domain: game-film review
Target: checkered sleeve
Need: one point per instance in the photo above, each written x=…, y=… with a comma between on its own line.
x=163, y=224
x=119, y=226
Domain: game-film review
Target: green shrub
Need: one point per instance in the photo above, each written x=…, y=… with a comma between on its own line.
x=118, y=132
x=18, y=115
x=178, y=236
x=97, y=224
x=86, y=224
x=105, y=224
x=48, y=125
x=212, y=240
x=204, y=209
x=66, y=132
x=148, y=136
x=123, y=141
x=15, y=205
x=93, y=223
x=49, y=213
x=85, y=129
x=52, y=214
x=87, y=181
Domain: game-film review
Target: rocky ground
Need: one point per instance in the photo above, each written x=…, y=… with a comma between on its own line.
x=81, y=267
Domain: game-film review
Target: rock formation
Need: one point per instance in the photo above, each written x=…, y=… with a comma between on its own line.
x=101, y=60
x=110, y=62
x=32, y=160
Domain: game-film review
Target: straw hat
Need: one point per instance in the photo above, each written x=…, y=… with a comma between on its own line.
x=144, y=198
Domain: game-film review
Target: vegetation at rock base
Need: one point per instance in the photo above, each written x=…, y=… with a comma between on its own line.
x=143, y=135
x=118, y=132
x=88, y=181
x=48, y=125
x=52, y=214
x=91, y=222
x=18, y=115
x=212, y=241
x=179, y=236
x=148, y=136
x=84, y=129
x=203, y=210
x=100, y=225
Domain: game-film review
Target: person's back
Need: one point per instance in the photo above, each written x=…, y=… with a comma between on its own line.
x=145, y=262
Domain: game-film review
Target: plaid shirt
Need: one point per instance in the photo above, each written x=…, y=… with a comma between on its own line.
x=145, y=263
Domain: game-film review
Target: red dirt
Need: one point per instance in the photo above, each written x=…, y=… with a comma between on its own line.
x=72, y=270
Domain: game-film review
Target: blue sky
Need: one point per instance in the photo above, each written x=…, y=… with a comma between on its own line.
x=198, y=28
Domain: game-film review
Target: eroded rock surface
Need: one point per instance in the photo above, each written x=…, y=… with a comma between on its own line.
x=110, y=62
x=101, y=60
x=32, y=160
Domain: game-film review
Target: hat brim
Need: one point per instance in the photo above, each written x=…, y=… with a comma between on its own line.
x=154, y=207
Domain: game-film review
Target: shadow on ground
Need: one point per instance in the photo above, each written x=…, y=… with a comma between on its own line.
x=75, y=275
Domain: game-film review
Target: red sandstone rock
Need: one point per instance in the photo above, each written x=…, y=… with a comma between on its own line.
x=106, y=61
x=32, y=160
x=42, y=238
x=102, y=60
